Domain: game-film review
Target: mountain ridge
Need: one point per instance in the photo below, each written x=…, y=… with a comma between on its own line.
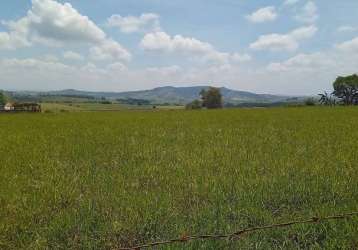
x=174, y=95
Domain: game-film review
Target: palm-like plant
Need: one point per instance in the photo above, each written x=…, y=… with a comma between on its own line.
x=327, y=99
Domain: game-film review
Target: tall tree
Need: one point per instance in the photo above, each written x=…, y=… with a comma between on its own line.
x=211, y=98
x=346, y=89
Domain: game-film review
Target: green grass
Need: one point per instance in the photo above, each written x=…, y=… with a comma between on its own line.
x=93, y=106
x=102, y=180
x=72, y=107
x=59, y=107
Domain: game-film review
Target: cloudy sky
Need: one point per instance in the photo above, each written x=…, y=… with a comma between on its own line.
x=267, y=46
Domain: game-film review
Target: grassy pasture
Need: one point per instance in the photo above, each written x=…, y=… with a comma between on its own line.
x=102, y=180
x=75, y=107
x=93, y=106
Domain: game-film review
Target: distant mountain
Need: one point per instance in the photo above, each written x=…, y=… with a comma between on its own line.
x=177, y=95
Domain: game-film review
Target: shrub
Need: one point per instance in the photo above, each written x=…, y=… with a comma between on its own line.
x=196, y=104
x=310, y=102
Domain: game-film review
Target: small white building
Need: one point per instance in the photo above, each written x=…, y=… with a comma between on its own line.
x=9, y=107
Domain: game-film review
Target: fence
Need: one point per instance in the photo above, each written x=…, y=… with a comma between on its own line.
x=236, y=235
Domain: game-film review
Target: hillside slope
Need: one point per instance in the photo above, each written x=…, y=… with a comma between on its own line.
x=178, y=95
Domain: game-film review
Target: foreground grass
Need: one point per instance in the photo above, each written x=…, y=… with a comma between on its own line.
x=103, y=180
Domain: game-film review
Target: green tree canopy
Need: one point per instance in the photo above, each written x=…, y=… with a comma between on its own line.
x=3, y=98
x=346, y=89
x=211, y=98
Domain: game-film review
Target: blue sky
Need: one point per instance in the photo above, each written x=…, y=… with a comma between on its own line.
x=279, y=46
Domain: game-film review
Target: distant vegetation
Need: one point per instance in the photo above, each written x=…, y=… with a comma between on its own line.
x=70, y=96
x=196, y=104
x=3, y=98
x=345, y=93
x=310, y=101
x=133, y=101
x=168, y=96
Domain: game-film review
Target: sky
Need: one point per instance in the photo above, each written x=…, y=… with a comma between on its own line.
x=290, y=47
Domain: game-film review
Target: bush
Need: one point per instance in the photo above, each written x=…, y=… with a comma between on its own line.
x=196, y=104
x=105, y=102
x=310, y=102
x=3, y=98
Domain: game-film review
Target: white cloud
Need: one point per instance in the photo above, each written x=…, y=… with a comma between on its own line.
x=291, y=2
x=51, y=22
x=310, y=73
x=164, y=42
x=54, y=24
x=316, y=71
x=236, y=57
x=222, y=58
x=50, y=58
x=349, y=46
x=16, y=72
x=117, y=67
x=4, y=40
x=303, y=62
x=40, y=74
x=146, y=22
x=70, y=55
x=347, y=28
x=309, y=13
x=275, y=42
x=263, y=15
x=303, y=32
x=203, y=51
x=288, y=42
x=109, y=50
x=169, y=70
x=15, y=38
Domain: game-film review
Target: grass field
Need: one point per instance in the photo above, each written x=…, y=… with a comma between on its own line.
x=93, y=106
x=103, y=180
x=75, y=107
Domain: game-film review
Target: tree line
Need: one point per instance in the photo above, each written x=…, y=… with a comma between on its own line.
x=345, y=92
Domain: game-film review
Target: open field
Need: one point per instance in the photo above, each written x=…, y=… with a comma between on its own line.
x=93, y=106
x=103, y=180
x=73, y=107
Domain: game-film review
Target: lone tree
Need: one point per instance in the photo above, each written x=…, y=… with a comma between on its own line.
x=346, y=89
x=211, y=98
